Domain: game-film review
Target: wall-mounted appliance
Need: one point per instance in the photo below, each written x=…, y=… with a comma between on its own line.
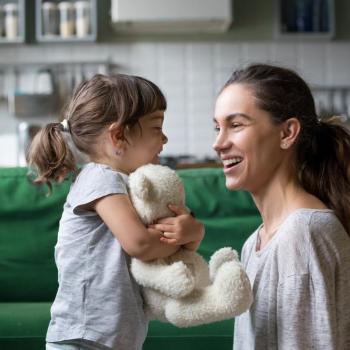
x=171, y=16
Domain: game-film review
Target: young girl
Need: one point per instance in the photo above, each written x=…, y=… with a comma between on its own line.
x=297, y=169
x=117, y=122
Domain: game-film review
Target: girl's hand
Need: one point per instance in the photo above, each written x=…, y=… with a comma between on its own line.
x=183, y=229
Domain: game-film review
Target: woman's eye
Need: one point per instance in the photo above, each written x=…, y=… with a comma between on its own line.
x=216, y=128
x=236, y=125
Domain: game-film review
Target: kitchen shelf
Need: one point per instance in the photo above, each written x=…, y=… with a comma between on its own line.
x=20, y=25
x=305, y=19
x=91, y=35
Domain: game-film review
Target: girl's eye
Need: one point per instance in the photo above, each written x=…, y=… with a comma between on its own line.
x=216, y=128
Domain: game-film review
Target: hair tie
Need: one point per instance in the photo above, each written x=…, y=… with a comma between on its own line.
x=65, y=125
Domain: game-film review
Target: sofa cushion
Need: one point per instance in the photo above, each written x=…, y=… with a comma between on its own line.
x=216, y=335
x=23, y=325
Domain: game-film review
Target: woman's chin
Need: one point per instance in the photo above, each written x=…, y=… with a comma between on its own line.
x=232, y=185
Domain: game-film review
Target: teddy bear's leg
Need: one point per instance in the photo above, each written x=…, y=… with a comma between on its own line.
x=228, y=296
x=220, y=257
x=174, y=280
x=197, y=265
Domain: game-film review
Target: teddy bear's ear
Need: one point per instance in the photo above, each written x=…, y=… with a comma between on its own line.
x=142, y=187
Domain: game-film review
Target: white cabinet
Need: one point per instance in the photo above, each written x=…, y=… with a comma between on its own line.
x=172, y=15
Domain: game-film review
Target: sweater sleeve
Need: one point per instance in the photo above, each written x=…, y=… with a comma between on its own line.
x=306, y=316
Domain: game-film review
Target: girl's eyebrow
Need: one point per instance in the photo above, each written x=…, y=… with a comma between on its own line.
x=232, y=116
x=157, y=117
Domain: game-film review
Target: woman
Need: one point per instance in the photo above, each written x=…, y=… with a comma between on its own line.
x=297, y=169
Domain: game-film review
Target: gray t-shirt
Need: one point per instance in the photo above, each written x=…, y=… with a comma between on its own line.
x=97, y=298
x=301, y=286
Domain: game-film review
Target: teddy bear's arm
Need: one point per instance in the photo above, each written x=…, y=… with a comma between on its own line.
x=174, y=280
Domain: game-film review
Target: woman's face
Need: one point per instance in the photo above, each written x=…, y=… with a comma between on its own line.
x=247, y=141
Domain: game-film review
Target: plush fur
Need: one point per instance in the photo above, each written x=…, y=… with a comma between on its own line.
x=183, y=289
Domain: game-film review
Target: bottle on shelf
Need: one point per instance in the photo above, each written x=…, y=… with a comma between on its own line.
x=50, y=17
x=67, y=19
x=83, y=18
x=11, y=20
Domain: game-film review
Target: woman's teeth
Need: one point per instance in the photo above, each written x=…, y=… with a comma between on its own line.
x=232, y=161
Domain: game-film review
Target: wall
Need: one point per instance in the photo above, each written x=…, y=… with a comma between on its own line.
x=191, y=70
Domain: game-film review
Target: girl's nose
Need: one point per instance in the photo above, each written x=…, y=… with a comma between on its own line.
x=165, y=139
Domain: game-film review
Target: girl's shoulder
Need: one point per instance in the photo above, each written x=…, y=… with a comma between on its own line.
x=96, y=181
x=94, y=173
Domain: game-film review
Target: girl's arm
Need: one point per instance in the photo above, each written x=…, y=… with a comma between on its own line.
x=119, y=215
x=183, y=229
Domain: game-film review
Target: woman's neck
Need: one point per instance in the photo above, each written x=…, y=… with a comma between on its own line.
x=279, y=199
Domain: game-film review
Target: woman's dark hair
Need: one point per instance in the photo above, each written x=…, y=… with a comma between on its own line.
x=96, y=104
x=322, y=148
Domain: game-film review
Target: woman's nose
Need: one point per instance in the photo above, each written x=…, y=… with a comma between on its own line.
x=221, y=142
x=165, y=139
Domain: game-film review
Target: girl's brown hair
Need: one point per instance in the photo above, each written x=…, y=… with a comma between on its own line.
x=323, y=147
x=96, y=104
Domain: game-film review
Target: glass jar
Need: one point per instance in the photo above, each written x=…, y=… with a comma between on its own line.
x=11, y=20
x=50, y=18
x=83, y=18
x=67, y=19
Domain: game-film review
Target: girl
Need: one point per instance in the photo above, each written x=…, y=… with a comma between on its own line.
x=117, y=122
x=297, y=169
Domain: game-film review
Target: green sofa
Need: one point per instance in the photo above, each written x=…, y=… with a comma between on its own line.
x=28, y=276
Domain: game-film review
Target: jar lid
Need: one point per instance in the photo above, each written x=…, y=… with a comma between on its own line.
x=82, y=4
x=49, y=5
x=65, y=5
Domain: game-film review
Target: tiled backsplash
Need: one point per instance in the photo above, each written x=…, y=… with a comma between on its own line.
x=190, y=74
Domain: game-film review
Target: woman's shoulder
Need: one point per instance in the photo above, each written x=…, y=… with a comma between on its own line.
x=320, y=219
x=314, y=226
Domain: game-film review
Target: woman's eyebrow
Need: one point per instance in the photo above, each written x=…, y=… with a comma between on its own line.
x=232, y=116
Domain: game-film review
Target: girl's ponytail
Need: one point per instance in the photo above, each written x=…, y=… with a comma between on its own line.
x=50, y=155
x=325, y=167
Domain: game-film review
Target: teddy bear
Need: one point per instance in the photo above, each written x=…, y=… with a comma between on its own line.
x=183, y=289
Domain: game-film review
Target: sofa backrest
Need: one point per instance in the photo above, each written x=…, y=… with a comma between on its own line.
x=28, y=231
x=29, y=223
x=229, y=216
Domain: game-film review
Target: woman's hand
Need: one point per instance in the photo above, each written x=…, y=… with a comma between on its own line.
x=182, y=229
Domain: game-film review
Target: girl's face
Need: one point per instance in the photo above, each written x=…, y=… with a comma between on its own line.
x=145, y=141
x=247, y=141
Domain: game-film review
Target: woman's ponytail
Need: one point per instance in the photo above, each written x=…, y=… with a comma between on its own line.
x=50, y=155
x=325, y=166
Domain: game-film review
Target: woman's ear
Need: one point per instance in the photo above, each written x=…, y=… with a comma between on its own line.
x=289, y=132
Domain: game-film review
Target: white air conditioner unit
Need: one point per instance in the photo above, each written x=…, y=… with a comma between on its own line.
x=167, y=16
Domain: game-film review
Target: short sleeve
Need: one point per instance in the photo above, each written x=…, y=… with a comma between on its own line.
x=93, y=182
